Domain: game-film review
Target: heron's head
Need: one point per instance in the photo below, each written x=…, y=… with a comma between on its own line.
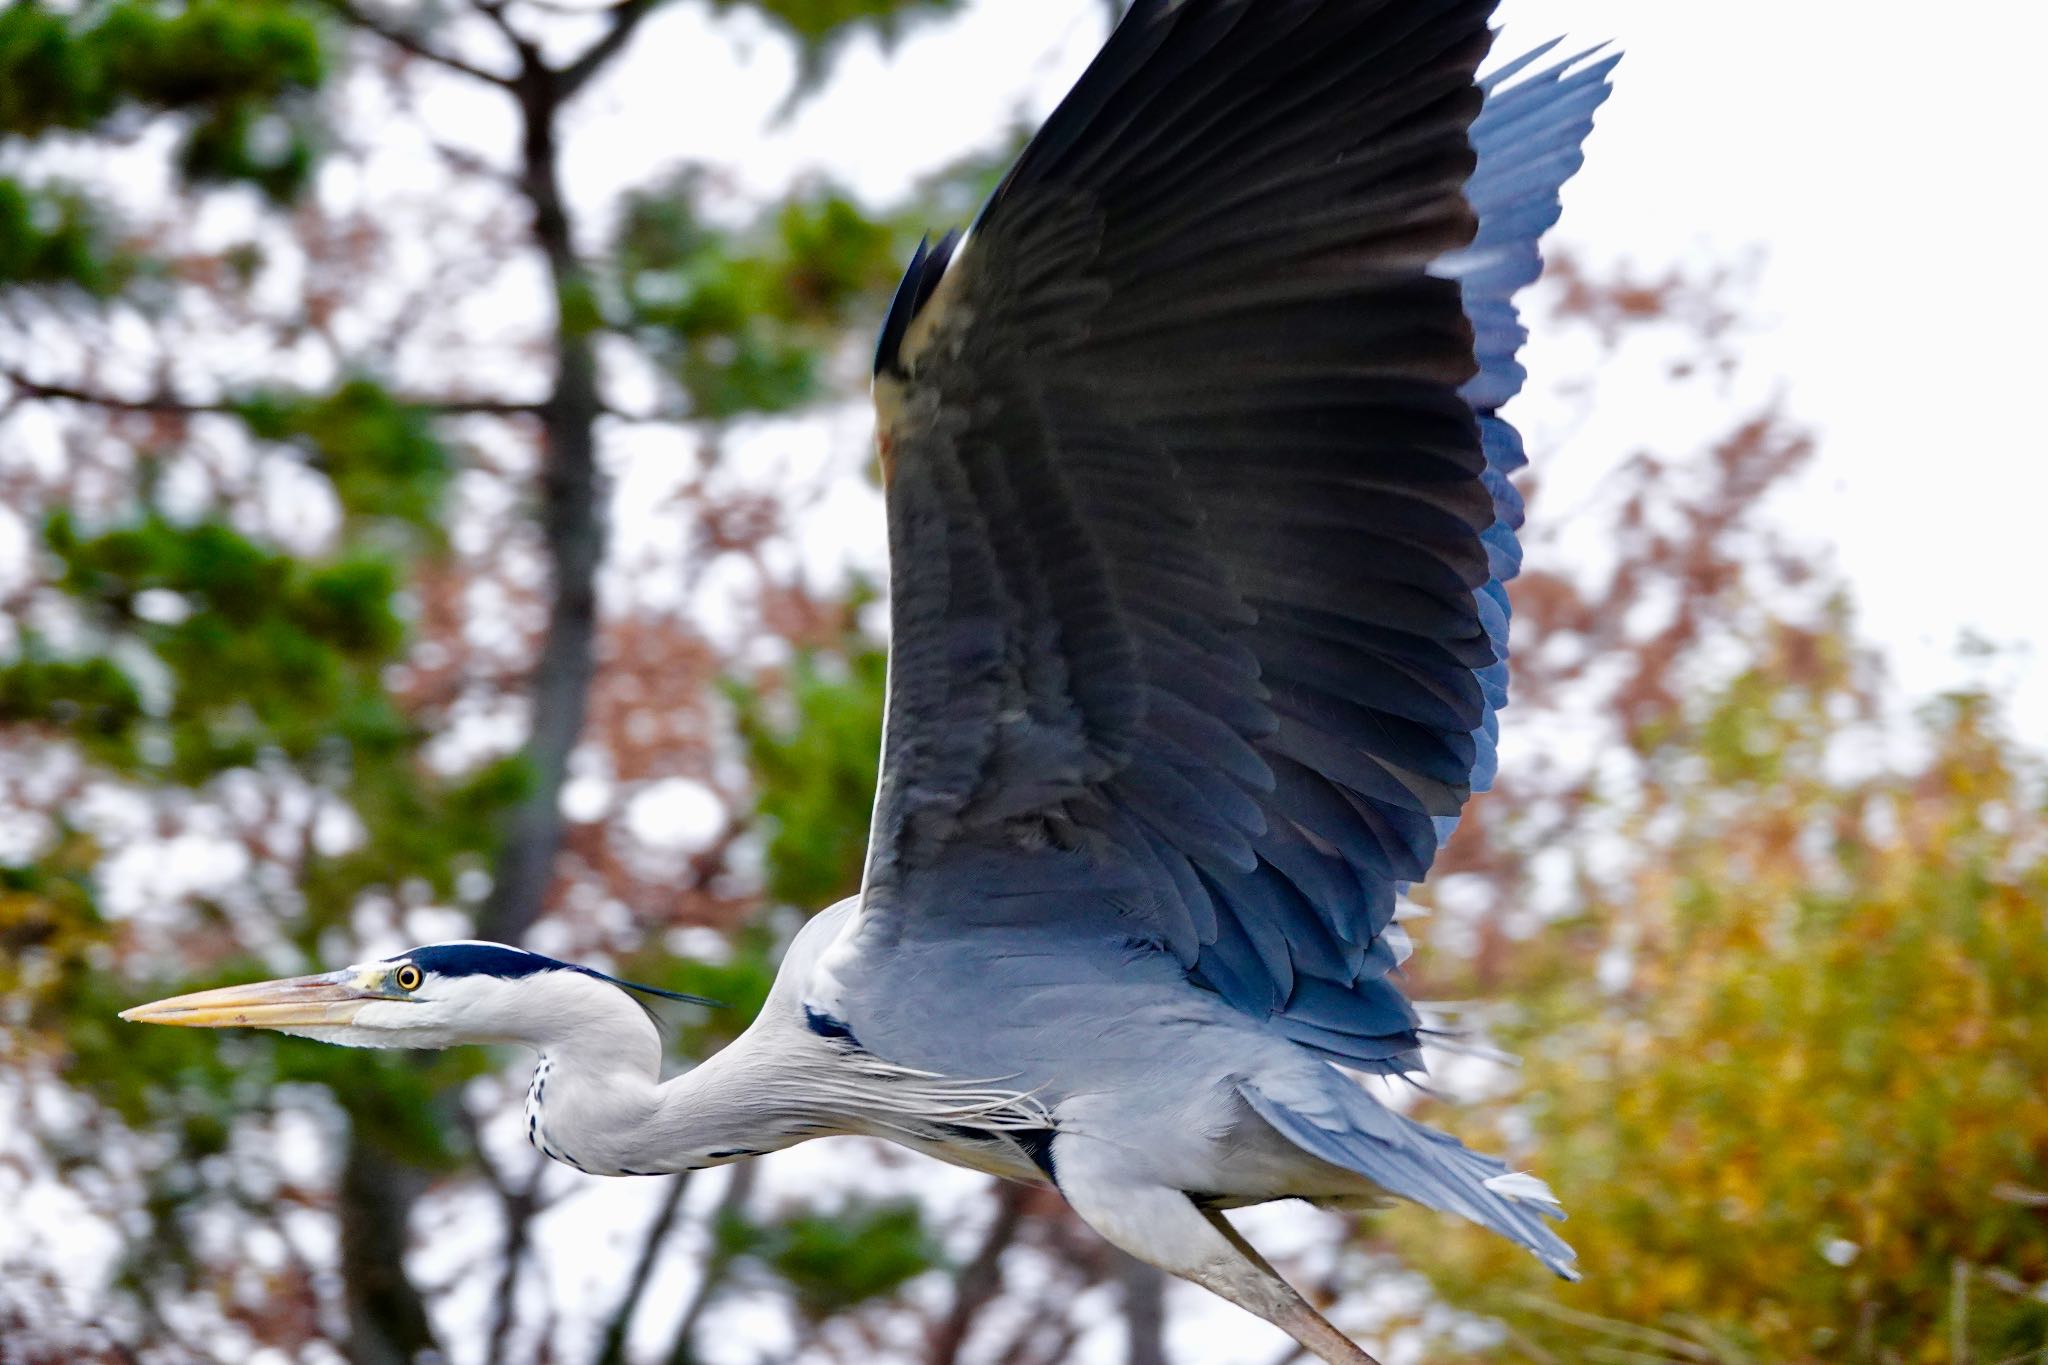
x=434, y=996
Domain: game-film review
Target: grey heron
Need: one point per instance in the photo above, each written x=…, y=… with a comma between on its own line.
x=1199, y=518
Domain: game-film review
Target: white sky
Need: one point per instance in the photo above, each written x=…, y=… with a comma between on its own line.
x=1891, y=166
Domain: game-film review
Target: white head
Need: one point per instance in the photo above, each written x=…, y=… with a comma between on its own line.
x=598, y=1102
x=435, y=996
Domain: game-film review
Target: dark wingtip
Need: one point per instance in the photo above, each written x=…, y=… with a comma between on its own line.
x=927, y=268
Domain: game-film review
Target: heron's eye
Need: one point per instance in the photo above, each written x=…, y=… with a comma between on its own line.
x=408, y=977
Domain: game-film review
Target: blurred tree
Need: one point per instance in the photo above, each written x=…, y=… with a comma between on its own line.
x=1771, y=955
x=332, y=620
x=1804, y=1116
x=257, y=578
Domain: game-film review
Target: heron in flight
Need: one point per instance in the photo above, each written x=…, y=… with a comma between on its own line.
x=1199, y=520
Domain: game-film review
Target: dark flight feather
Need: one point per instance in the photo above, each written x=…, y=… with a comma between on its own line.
x=1199, y=497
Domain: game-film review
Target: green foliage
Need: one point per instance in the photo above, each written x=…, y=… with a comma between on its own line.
x=954, y=193
x=741, y=320
x=90, y=699
x=243, y=656
x=72, y=70
x=381, y=455
x=821, y=28
x=241, y=144
x=1814, y=1125
x=259, y=656
x=54, y=933
x=815, y=768
x=207, y=52
x=397, y=1101
x=48, y=78
x=261, y=652
x=238, y=68
x=49, y=921
x=54, y=237
x=862, y=1251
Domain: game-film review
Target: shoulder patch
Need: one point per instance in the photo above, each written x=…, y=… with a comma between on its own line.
x=825, y=1026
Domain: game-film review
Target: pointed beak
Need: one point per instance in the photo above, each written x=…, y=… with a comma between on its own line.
x=296, y=1002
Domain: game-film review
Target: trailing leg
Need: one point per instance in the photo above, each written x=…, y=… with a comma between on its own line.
x=1164, y=1227
x=1302, y=1321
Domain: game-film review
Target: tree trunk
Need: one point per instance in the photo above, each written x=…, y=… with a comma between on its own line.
x=1144, y=1312
x=387, y=1319
x=981, y=1279
x=572, y=528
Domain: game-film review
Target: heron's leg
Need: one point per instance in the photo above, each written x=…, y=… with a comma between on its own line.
x=1162, y=1225
x=1305, y=1324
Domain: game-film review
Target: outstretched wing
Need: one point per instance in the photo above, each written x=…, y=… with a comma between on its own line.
x=1198, y=504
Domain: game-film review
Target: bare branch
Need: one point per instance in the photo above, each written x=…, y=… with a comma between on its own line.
x=406, y=41
x=716, y=1266
x=472, y=407
x=520, y=1205
x=466, y=162
x=572, y=527
x=494, y=10
x=611, y=1350
x=388, y=1319
x=626, y=16
x=161, y=402
x=66, y=393
x=981, y=1279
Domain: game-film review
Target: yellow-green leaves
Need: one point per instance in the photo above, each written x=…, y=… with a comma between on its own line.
x=1808, y=1119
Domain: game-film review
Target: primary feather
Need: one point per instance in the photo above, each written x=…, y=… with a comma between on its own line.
x=1200, y=520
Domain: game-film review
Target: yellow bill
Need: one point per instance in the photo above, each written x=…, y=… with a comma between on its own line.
x=330, y=998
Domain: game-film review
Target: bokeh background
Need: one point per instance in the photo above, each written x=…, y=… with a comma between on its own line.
x=435, y=501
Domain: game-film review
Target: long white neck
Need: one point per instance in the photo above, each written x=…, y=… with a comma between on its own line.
x=597, y=1102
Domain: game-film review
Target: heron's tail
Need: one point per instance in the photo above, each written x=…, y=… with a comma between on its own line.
x=1343, y=1125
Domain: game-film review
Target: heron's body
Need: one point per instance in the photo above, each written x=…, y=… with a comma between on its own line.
x=995, y=1104
x=1200, y=526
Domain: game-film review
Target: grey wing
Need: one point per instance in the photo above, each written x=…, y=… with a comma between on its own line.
x=1198, y=505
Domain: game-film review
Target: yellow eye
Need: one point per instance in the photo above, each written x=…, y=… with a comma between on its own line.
x=408, y=977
